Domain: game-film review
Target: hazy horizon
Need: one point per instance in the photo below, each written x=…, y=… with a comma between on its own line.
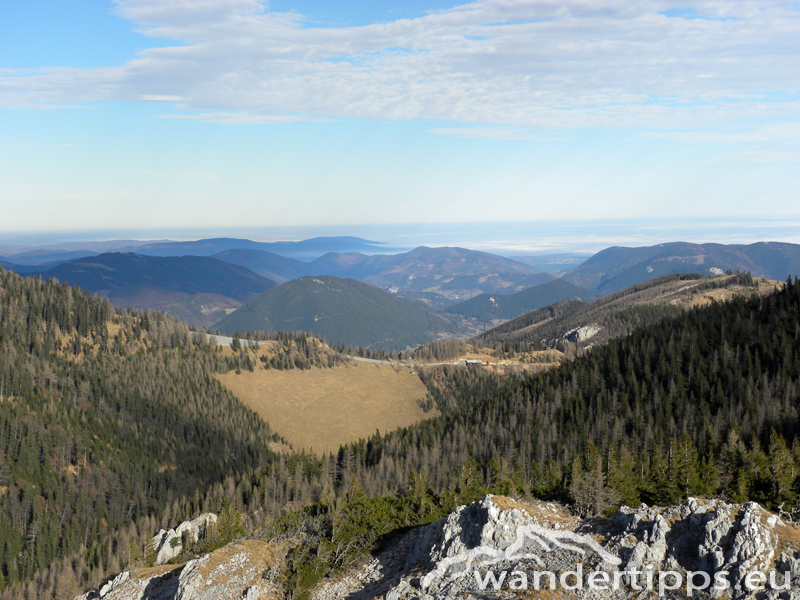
x=508, y=239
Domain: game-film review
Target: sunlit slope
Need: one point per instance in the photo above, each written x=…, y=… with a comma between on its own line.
x=620, y=313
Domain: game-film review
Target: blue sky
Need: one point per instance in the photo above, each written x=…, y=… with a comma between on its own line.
x=229, y=115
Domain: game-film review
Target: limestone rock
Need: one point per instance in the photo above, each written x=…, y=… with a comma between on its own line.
x=238, y=571
x=169, y=544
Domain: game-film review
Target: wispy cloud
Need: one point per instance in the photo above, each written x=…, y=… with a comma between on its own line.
x=774, y=144
x=776, y=132
x=191, y=174
x=242, y=118
x=160, y=98
x=490, y=133
x=525, y=63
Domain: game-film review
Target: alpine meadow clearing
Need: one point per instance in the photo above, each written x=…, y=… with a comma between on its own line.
x=325, y=408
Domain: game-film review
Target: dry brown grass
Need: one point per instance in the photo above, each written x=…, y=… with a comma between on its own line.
x=544, y=512
x=788, y=539
x=324, y=408
x=686, y=297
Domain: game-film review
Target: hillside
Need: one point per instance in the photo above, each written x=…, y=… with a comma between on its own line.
x=619, y=313
x=487, y=307
x=196, y=289
x=267, y=264
x=342, y=310
x=617, y=268
x=106, y=418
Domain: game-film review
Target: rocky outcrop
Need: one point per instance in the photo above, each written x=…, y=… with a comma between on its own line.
x=169, y=544
x=499, y=548
x=239, y=571
x=581, y=334
x=502, y=548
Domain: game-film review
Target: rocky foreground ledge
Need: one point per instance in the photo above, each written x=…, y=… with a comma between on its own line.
x=503, y=548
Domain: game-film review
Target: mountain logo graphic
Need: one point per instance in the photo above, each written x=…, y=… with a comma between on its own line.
x=544, y=540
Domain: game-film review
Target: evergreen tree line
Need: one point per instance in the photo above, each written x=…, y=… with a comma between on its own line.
x=286, y=350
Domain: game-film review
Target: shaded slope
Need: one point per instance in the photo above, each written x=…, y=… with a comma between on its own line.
x=112, y=416
x=343, y=310
x=487, y=307
x=116, y=275
x=267, y=264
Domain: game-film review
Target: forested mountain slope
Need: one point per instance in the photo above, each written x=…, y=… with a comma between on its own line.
x=106, y=418
x=100, y=425
x=617, y=314
x=343, y=310
x=198, y=290
x=706, y=402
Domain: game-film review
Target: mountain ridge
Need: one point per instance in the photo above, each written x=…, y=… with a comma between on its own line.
x=170, y=283
x=619, y=267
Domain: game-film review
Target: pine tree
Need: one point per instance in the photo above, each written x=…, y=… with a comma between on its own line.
x=781, y=470
x=686, y=468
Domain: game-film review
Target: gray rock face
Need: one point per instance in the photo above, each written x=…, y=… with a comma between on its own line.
x=502, y=548
x=236, y=572
x=169, y=544
x=498, y=548
x=581, y=334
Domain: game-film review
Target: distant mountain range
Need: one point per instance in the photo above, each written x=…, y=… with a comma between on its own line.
x=423, y=271
x=305, y=249
x=617, y=268
x=201, y=289
x=214, y=277
x=552, y=263
x=197, y=289
x=446, y=275
x=487, y=307
x=48, y=256
x=341, y=310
